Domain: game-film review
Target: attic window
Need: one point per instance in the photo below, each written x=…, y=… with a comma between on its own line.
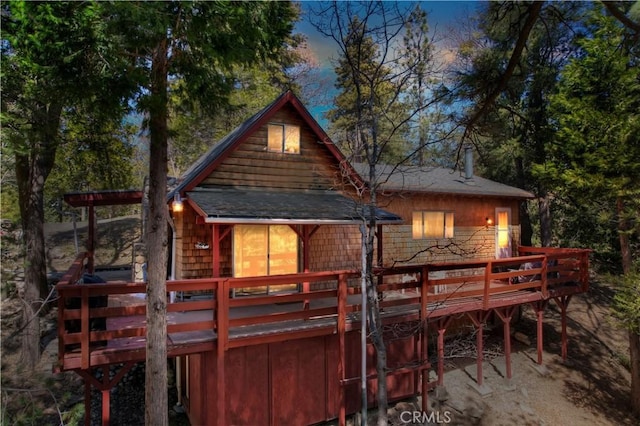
x=432, y=224
x=283, y=138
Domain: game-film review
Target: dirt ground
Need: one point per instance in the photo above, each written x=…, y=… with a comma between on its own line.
x=115, y=239
x=591, y=387
x=40, y=396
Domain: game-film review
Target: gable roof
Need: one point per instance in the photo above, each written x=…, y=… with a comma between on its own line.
x=437, y=180
x=265, y=206
x=204, y=165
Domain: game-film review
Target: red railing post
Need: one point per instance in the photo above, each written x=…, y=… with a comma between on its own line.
x=223, y=343
x=543, y=276
x=61, y=325
x=84, y=327
x=487, y=284
x=424, y=290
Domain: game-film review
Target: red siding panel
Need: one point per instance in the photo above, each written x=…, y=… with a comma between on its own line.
x=247, y=385
x=298, y=381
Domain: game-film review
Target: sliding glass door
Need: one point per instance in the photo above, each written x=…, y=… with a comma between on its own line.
x=260, y=250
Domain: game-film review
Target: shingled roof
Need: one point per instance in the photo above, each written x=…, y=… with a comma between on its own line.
x=437, y=180
x=259, y=206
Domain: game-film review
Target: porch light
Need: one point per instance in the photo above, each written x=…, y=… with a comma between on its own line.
x=489, y=221
x=177, y=206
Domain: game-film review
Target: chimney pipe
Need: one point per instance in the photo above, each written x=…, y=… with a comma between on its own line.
x=468, y=162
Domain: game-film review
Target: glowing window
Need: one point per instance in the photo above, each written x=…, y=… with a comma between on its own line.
x=432, y=224
x=503, y=229
x=283, y=138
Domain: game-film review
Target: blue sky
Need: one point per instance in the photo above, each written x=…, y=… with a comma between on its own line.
x=441, y=17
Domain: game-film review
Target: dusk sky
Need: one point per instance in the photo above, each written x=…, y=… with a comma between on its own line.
x=441, y=17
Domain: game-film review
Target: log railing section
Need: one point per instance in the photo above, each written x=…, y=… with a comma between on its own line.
x=239, y=321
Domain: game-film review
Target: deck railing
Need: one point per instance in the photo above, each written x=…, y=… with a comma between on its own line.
x=324, y=309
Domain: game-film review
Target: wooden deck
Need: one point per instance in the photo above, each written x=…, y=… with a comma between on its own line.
x=217, y=321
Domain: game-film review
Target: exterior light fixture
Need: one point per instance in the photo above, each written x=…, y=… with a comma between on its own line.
x=489, y=221
x=177, y=205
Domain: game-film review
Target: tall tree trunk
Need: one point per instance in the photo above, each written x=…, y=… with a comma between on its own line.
x=375, y=330
x=375, y=322
x=156, y=397
x=526, y=230
x=33, y=166
x=634, y=353
x=624, y=227
x=544, y=211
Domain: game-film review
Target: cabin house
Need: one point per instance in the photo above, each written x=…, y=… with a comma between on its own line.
x=277, y=182
x=264, y=276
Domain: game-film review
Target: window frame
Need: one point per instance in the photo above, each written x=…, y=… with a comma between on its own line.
x=448, y=225
x=284, y=147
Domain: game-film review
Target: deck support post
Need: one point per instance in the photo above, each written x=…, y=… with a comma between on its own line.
x=87, y=402
x=106, y=406
x=506, y=314
x=341, y=330
x=105, y=388
x=563, y=303
x=478, y=318
x=424, y=338
x=221, y=348
x=539, y=307
x=442, y=324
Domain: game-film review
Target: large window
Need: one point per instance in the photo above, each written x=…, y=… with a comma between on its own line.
x=264, y=250
x=432, y=224
x=283, y=138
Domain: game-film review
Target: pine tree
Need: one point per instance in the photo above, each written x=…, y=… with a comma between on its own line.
x=371, y=82
x=197, y=43
x=597, y=157
x=53, y=64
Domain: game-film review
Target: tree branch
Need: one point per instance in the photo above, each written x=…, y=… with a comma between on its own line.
x=532, y=16
x=620, y=16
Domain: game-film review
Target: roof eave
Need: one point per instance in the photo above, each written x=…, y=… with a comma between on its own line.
x=269, y=221
x=528, y=196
